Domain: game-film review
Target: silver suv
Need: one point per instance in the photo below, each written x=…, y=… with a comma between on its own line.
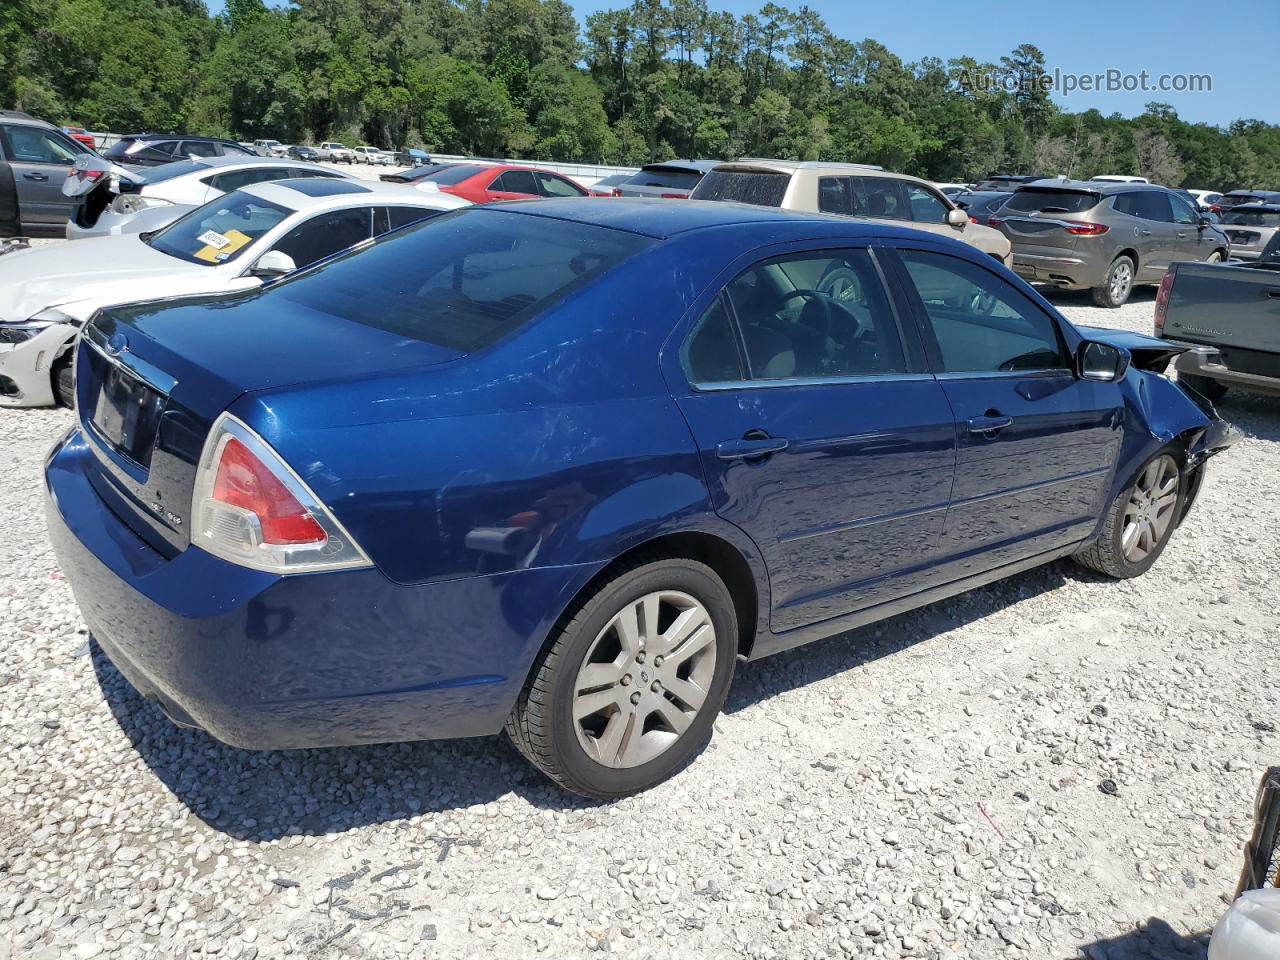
x=35, y=158
x=1103, y=237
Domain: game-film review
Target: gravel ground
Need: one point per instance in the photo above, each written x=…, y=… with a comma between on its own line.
x=1054, y=766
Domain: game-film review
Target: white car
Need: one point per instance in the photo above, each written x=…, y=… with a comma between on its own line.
x=336, y=152
x=1206, y=198
x=269, y=148
x=233, y=243
x=372, y=155
x=110, y=203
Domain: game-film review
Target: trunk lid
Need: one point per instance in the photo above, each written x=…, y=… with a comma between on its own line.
x=152, y=378
x=1226, y=307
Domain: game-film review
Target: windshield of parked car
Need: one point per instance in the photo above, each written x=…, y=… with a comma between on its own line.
x=764, y=188
x=454, y=173
x=665, y=177
x=1050, y=201
x=1252, y=218
x=462, y=280
x=220, y=231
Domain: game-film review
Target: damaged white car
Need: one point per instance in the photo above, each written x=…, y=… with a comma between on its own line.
x=233, y=243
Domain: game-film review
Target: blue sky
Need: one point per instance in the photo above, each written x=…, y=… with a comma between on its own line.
x=1082, y=37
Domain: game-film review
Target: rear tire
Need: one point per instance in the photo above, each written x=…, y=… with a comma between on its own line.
x=608, y=709
x=1117, y=286
x=64, y=382
x=1140, y=521
x=1212, y=390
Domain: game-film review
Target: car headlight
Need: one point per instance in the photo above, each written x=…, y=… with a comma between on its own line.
x=23, y=330
x=136, y=202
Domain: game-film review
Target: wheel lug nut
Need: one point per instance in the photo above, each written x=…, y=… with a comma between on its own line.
x=626, y=680
x=640, y=657
x=657, y=687
x=657, y=661
x=635, y=697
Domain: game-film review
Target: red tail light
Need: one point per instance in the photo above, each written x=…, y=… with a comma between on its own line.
x=1082, y=229
x=671, y=196
x=1215, y=208
x=244, y=481
x=1162, y=300
x=617, y=192
x=995, y=220
x=973, y=219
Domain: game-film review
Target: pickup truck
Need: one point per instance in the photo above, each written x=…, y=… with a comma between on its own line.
x=1229, y=315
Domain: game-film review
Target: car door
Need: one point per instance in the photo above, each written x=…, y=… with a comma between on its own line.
x=1157, y=225
x=1035, y=444
x=40, y=161
x=820, y=432
x=1192, y=241
x=512, y=185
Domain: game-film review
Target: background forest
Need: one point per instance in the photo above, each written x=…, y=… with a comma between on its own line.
x=524, y=78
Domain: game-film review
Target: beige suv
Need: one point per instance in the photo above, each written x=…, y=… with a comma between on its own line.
x=849, y=189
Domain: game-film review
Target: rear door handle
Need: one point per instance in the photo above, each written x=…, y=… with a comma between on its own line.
x=1145, y=233
x=989, y=424
x=750, y=448
x=35, y=176
x=1272, y=292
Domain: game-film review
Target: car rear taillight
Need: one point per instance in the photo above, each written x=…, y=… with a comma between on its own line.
x=1081, y=228
x=995, y=220
x=249, y=508
x=616, y=192
x=671, y=196
x=1162, y=300
x=973, y=219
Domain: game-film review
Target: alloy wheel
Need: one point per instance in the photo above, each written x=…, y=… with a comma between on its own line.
x=1121, y=280
x=644, y=679
x=1150, y=509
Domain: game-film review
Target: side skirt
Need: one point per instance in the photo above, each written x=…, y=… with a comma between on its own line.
x=777, y=642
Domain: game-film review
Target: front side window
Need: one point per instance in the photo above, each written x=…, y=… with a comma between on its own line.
x=815, y=315
x=220, y=231
x=550, y=185
x=33, y=145
x=465, y=279
x=1183, y=212
x=324, y=235
x=981, y=323
x=925, y=206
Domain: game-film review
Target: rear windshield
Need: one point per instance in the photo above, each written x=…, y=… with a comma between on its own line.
x=665, y=177
x=219, y=231
x=1050, y=201
x=452, y=174
x=764, y=188
x=1252, y=218
x=465, y=279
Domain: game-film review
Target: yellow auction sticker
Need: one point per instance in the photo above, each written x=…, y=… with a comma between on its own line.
x=220, y=246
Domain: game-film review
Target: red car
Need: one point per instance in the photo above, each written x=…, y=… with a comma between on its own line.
x=486, y=183
x=81, y=134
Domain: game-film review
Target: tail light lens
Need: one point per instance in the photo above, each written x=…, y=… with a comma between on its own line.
x=1162, y=300
x=1081, y=228
x=251, y=509
x=973, y=219
x=617, y=192
x=995, y=220
x=671, y=196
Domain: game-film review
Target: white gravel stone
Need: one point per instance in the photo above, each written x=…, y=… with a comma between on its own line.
x=865, y=795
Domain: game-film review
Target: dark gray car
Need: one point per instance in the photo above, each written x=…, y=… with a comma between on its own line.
x=1104, y=237
x=671, y=178
x=35, y=158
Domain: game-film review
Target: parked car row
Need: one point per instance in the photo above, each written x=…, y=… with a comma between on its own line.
x=573, y=458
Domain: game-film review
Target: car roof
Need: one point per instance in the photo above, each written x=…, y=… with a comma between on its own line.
x=175, y=136
x=25, y=119
x=699, y=166
x=794, y=166
x=318, y=193
x=661, y=218
x=1105, y=187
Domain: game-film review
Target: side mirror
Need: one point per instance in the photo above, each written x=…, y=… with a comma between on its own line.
x=1205, y=221
x=957, y=218
x=272, y=264
x=1101, y=362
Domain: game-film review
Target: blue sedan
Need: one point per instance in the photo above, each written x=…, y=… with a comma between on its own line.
x=555, y=466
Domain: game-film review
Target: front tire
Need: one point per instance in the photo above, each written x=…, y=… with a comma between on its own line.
x=64, y=382
x=1140, y=521
x=627, y=690
x=1117, y=286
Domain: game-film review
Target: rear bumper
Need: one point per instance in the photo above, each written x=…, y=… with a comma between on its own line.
x=1208, y=362
x=268, y=662
x=1067, y=270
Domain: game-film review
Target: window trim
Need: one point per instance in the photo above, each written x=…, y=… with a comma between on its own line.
x=916, y=362
x=933, y=352
x=371, y=209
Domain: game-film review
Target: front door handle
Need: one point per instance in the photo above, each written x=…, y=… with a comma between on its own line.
x=1145, y=233
x=751, y=447
x=1182, y=236
x=989, y=424
x=35, y=176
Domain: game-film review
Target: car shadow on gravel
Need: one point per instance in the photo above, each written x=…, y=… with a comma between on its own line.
x=1082, y=298
x=760, y=680
x=1152, y=938
x=267, y=795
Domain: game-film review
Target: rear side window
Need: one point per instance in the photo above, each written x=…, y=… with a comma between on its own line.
x=878, y=197
x=235, y=179
x=199, y=148
x=1051, y=201
x=398, y=217
x=763, y=188
x=516, y=181
x=1146, y=204
x=465, y=279
x=711, y=354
